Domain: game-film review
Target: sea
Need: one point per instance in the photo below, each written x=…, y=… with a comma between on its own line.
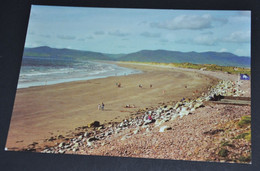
x=38, y=71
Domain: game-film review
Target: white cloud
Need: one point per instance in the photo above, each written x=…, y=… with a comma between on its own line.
x=152, y=35
x=238, y=37
x=118, y=33
x=99, y=33
x=241, y=52
x=244, y=13
x=192, y=22
x=183, y=41
x=223, y=50
x=205, y=40
x=66, y=37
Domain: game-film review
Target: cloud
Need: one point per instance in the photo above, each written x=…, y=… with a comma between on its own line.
x=182, y=41
x=244, y=13
x=241, y=52
x=45, y=35
x=99, y=32
x=208, y=33
x=164, y=40
x=66, y=37
x=118, y=33
x=238, y=37
x=205, y=40
x=151, y=35
x=189, y=22
x=81, y=39
x=223, y=50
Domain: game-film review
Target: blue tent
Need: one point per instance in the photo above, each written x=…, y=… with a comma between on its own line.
x=244, y=77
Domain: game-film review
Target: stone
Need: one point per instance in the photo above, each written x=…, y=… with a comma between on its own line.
x=61, y=144
x=92, y=139
x=86, y=134
x=89, y=143
x=75, y=149
x=108, y=133
x=62, y=151
x=136, y=131
x=192, y=110
x=94, y=124
x=198, y=105
x=174, y=117
x=167, y=118
x=147, y=122
x=80, y=137
x=178, y=104
x=184, y=112
x=158, y=122
x=163, y=128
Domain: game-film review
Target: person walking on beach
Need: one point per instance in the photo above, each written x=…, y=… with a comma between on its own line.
x=99, y=106
x=102, y=106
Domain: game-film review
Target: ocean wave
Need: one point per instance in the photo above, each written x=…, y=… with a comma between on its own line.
x=35, y=76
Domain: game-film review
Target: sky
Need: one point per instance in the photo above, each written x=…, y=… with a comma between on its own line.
x=115, y=31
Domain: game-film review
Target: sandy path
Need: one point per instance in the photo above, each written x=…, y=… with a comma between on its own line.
x=40, y=112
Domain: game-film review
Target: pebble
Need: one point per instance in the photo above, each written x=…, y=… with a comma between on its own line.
x=163, y=128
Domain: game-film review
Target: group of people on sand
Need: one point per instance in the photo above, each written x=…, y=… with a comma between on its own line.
x=129, y=106
x=102, y=106
x=141, y=86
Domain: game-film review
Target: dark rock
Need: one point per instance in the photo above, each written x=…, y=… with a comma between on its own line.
x=213, y=132
x=94, y=124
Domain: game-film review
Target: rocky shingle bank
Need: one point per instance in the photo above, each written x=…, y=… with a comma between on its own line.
x=146, y=122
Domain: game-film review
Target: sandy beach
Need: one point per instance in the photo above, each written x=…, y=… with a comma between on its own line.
x=44, y=111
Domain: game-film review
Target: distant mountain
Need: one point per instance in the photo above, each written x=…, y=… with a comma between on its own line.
x=45, y=51
x=164, y=56
x=218, y=58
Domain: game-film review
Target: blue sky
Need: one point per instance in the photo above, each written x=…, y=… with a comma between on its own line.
x=111, y=30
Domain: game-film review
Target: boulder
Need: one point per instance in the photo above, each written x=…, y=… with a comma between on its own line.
x=184, y=112
x=61, y=144
x=94, y=124
x=158, y=122
x=174, y=117
x=178, y=104
x=198, y=105
x=92, y=139
x=163, y=128
x=136, y=131
x=86, y=134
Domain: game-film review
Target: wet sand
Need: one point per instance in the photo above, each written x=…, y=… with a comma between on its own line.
x=45, y=111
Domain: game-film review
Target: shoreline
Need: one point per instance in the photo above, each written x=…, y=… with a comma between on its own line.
x=90, y=77
x=127, y=112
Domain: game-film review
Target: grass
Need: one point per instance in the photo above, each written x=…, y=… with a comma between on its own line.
x=226, y=143
x=245, y=159
x=246, y=136
x=223, y=152
x=244, y=121
x=209, y=67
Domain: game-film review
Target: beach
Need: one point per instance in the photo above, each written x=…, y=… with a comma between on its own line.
x=42, y=112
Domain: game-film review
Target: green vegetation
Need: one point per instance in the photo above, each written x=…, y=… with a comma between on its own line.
x=208, y=67
x=245, y=159
x=226, y=143
x=246, y=136
x=245, y=121
x=223, y=152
